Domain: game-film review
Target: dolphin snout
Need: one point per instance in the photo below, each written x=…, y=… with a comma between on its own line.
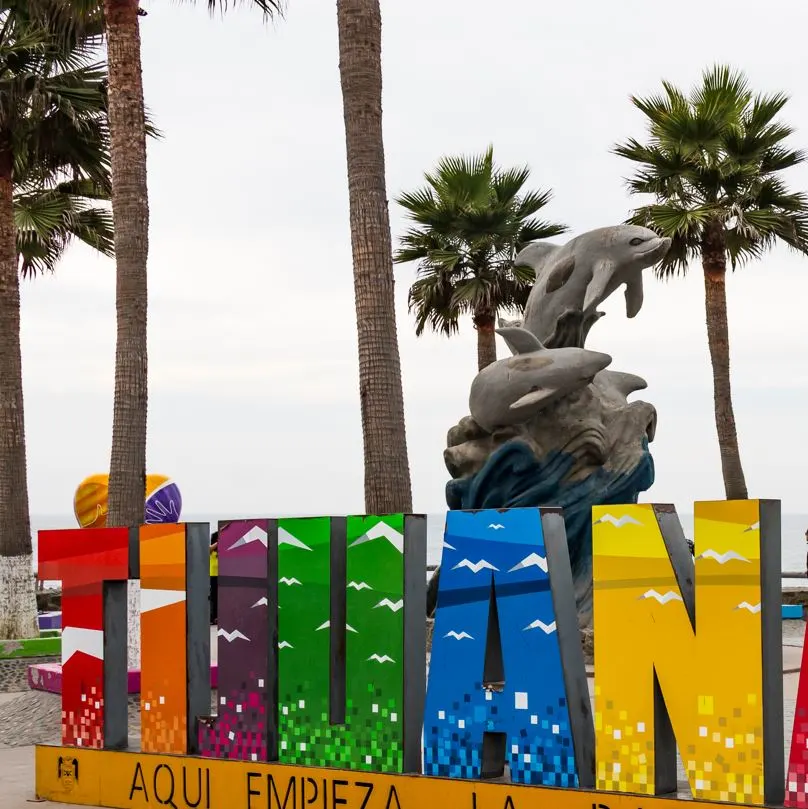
x=600, y=360
x=592, y=364
x=656, y=249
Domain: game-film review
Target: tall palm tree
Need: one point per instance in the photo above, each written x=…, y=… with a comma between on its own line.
x=130, y=211
x=470, y=221
x=52, y=127
x=387, y=470
x=130, y=208
x=712, y=162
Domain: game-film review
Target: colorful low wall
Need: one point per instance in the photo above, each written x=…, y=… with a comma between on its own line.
x=50, y=620
x=31, y=647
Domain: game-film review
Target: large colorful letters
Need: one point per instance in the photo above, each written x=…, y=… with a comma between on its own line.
x=321, y=644
x=93, y=566
x=313, y=616
x=699, y=665
x=341, y=625
x=797, y=776
x=175, y=639
x=246, y=655
x=506, y=656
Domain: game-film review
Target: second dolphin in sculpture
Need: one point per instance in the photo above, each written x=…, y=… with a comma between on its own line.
x=512, y=391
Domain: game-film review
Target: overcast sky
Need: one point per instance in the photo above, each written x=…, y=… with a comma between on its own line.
x=253, y=404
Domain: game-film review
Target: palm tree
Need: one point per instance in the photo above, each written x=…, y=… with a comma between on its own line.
x=52, y=129
x=712, y=163
x=130, y=208
x=387, y=470
x=471, y=219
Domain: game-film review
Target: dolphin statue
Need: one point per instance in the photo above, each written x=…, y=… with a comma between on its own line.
x=511, y=391
x=573, y=280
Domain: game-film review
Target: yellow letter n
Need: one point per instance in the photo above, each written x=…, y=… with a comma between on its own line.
x=698, y=667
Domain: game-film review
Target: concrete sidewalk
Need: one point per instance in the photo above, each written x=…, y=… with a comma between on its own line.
x=17, y=766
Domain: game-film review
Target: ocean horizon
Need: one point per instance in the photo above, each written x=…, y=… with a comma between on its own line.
x=793, y=527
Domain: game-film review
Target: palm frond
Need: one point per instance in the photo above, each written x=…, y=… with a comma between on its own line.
x=53, y=106
x=507, y=184
x=430, y=299
x=48, y=221
x=714, y=157
x=469, y=221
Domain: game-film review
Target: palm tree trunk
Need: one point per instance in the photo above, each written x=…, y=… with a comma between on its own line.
x=17, y=588
x=130, y=210
x=387, y=471
x=714, y=264
x=484, y=322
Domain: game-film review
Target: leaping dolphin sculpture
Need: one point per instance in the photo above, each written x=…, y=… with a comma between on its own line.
x=573, y=280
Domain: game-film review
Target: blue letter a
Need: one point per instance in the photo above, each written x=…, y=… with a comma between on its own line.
x=507, y=681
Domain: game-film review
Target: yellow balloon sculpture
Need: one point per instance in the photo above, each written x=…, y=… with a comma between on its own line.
x=91, y=501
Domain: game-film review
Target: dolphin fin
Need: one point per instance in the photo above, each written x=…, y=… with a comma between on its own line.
x=533, y=398
x=596, y=289
x=519, y=340
x=634, y=295
x=624, y=383
x=535, y=255
x=560, y=274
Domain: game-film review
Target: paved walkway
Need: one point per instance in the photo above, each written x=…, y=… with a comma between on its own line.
x=17, y=766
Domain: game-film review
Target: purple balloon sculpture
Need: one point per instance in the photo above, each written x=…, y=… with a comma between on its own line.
x=164, y=504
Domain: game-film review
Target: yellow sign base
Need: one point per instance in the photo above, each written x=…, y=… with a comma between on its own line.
x=124, y=780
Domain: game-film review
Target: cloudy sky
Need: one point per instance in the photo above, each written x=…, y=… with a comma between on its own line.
x=254, y=405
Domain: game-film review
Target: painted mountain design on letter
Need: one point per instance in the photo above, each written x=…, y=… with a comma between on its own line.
x=255, y=534
x=381, y=658
x=285, y=538
x=532, y=560
x=290, y=581
x=327, y=624
x=618, y=522
x=157, y=599
x=745, y=605
x=394, y=606
x=475, y=567
x=548, y=629
x=458, y=635
x=662, y=598
x=359, y=585
x=77, y=639
x=381, y=531
x=231, y=636
x=722, y=558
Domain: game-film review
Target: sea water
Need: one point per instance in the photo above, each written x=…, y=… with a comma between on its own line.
x=793, y=529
